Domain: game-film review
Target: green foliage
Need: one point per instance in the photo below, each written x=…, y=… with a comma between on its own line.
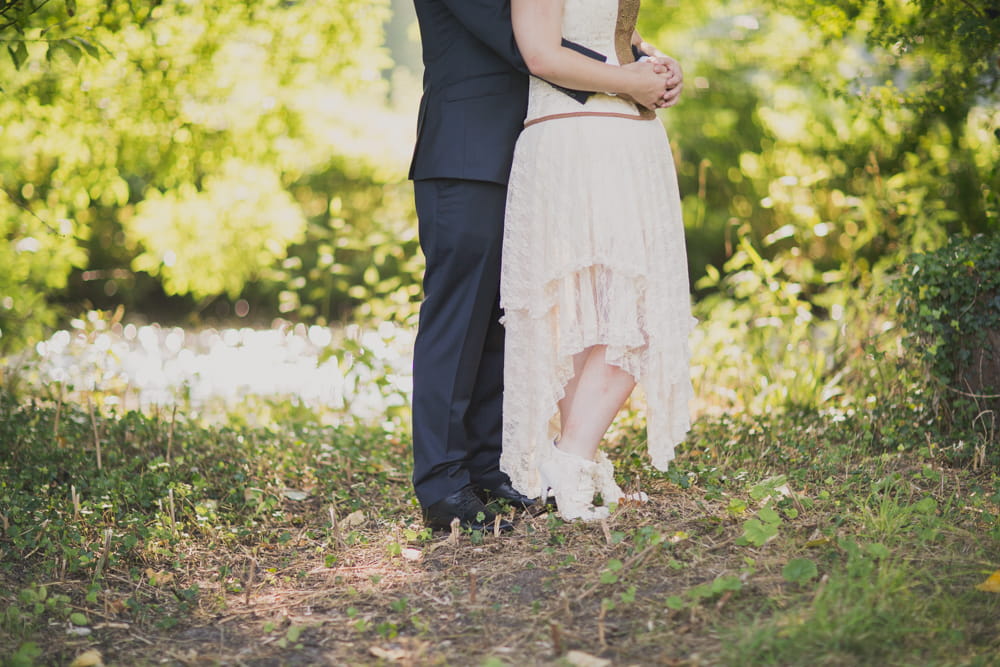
x=950, y=300
x=761, y=530
x=52, y=25
x=931, y=42
x=818, y=144
x=721, y=585
x=799, y=570
x=807, y=178
x=33, y=606
x=191, y=154
x=363, y=261
x=238, y=223
x=861, y=616
x=160, y=481
x=37, y=260
x=883, y=542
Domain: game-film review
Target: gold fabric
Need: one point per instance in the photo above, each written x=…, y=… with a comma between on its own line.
x=628, y=13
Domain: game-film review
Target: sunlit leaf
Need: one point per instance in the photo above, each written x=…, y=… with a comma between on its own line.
x=355, y=518
x=18, y=53
x=91, y=658
x=161, y=578
x=992, y=583
x=581, y=659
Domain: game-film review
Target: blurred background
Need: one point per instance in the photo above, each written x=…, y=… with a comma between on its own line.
x=184, y=166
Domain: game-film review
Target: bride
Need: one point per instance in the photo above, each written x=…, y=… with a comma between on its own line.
x=594, y=273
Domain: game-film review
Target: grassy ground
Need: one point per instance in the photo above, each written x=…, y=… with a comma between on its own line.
x=800, y=539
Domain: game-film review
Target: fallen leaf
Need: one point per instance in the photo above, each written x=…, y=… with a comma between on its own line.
x=818, y=542
x=91, y=658
x=158, y=578
x=581, y=659
x=992, y=584
x=293, y=494
x=393, y=654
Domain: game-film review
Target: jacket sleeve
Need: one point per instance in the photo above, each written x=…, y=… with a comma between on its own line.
x=489, y=21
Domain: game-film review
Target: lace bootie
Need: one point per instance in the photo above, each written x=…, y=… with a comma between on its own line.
x=608, y=488
x=571, y=479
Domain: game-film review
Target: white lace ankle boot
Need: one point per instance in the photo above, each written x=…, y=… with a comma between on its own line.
x=609, y=489
x=571, y=479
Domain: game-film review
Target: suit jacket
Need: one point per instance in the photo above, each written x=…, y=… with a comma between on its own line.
x=475, y=91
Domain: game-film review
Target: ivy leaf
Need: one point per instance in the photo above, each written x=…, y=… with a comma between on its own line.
x=769, y=515
x=799, y=570
x=726, y=583
x=758, y=533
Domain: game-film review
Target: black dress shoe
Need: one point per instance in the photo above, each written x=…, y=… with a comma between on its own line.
x=471, y=512
x=505, y=492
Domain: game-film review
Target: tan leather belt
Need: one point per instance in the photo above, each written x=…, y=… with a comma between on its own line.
x=575, y=114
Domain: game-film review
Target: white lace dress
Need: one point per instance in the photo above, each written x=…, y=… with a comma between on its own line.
x=593, y=254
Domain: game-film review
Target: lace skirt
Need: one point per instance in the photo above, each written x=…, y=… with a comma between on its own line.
x=593, y=254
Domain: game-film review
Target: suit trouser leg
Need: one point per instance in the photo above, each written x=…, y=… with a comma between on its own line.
x=458, y=353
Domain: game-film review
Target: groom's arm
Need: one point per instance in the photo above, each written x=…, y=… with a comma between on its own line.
x=481, y=18
x=579, y=95
x=489, y=21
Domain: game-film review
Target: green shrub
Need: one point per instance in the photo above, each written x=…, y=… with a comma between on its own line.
x=950, y=301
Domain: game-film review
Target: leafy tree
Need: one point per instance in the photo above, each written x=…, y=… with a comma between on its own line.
x=819, y=144
x=185, y=152
x=46, y=23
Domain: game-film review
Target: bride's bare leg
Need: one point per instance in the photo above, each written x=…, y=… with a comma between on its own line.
x=569, y=391
x=593, y=398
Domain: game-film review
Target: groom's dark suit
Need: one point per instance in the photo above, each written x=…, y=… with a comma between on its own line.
x=473, y=107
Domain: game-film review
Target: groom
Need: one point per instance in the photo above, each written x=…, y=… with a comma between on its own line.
x=472, y=110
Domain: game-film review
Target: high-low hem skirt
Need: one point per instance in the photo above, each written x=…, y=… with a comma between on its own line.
x=593, y=254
